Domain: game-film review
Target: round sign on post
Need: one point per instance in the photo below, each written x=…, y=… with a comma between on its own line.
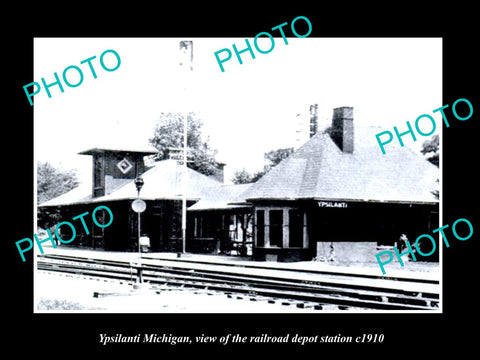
x=139, y=205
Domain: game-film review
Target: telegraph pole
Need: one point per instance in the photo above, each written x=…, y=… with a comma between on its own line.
x=184, y=185
x=186, y=59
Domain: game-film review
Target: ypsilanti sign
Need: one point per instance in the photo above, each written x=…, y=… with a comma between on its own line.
x=332, y=204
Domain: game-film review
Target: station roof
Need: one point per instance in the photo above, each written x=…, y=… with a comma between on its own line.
x=320, y=170
x=222, y=197
x=82, y=194
x=164, y=181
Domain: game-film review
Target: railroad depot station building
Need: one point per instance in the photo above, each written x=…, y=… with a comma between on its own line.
x=336, y=198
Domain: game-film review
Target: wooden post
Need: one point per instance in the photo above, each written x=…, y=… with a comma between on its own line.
x=186, y=57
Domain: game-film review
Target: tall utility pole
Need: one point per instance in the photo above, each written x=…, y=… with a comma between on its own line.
x=184, y=185
x=186, y=60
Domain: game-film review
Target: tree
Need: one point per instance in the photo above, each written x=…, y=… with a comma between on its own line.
x=242, y=177
x=432, y=147
x=168, y=134
x=273, y=157
x=52, y=182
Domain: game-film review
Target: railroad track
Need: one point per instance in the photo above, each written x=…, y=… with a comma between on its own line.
x=302, y=292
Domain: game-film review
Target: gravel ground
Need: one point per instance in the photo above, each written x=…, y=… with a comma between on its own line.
x=71, y=293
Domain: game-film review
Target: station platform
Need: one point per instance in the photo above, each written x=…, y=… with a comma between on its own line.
x=423, y=271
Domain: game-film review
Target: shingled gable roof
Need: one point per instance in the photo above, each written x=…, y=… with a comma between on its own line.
x=320, y=170
x=161, y=182
x=222, y=197
x=82, y=194
x=164, y=181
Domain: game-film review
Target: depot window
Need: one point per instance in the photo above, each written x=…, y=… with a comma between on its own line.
x=260, y=228
x=276, y=228
x=281, y=227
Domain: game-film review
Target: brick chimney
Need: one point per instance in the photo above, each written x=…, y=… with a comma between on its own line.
x=342, y=128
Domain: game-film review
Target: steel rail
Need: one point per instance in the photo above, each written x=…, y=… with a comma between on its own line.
x=323, y=292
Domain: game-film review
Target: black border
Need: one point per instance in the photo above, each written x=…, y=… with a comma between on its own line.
x=63, y=335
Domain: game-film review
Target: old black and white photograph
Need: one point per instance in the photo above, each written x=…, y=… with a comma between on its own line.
x=227, y=175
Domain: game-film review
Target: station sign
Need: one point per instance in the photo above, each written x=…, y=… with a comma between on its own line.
x=332, y=204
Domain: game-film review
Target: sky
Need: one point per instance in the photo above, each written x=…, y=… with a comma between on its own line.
x=248, y=109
